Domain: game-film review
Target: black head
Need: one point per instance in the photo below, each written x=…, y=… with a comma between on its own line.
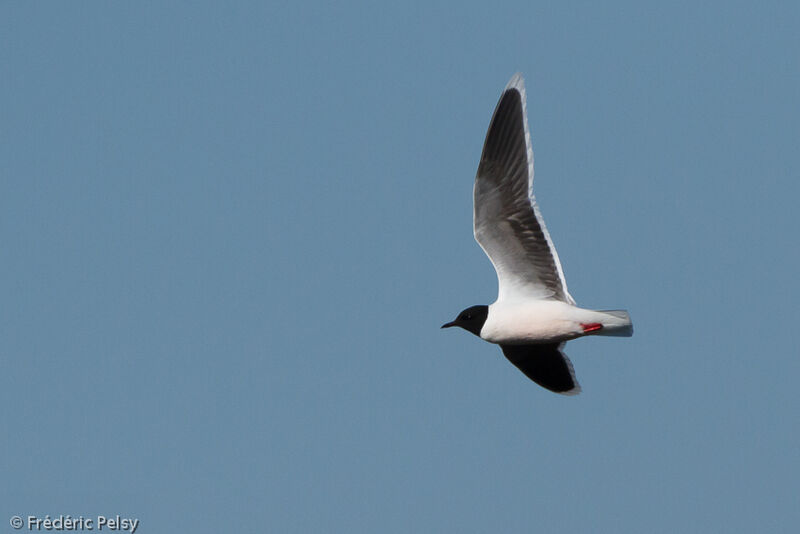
x=471, y=319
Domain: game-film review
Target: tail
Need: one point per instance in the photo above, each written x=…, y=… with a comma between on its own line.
x=617, y=324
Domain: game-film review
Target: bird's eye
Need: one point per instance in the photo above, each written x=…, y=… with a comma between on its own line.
x=467, y=316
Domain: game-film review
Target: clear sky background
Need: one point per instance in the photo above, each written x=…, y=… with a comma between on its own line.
x=230, y=234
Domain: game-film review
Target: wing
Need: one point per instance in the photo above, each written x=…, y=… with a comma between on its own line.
x=546, y=365
x=507, y=222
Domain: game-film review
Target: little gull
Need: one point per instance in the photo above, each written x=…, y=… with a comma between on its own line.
x=534, y=315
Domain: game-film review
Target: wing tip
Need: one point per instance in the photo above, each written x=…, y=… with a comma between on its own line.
x=516, y=82
x=576, y=387
x=572, y=392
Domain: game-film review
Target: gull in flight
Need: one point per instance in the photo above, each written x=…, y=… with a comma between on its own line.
x=534, y=315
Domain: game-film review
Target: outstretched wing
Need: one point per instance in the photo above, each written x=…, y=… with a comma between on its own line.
x=507, y=222
x=546, y=365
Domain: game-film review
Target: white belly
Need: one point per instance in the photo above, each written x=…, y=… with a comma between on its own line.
x=543, y=321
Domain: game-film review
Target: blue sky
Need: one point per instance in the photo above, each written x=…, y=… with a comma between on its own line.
x=231, y=233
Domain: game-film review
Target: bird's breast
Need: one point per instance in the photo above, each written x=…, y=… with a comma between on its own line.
x=527, y=323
